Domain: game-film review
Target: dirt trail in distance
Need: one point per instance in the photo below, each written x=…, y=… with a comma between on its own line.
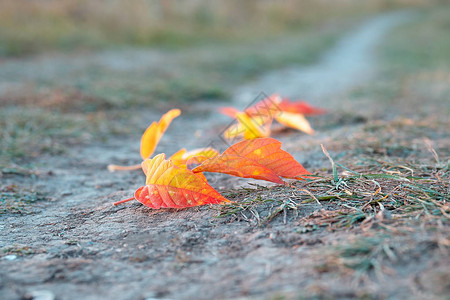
x=83, y=247
x=349, y=63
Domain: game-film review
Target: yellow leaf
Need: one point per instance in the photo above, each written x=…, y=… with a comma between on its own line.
x=248, y=127
x=294, y=120
x=155, y=131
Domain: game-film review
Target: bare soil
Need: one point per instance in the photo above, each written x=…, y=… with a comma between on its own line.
x=68, y=241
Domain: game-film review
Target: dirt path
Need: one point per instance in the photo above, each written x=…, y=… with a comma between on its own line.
x=349, y=63
x=77, y=245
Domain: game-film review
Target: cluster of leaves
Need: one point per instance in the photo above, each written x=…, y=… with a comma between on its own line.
x=256, y=120
x=179, y=182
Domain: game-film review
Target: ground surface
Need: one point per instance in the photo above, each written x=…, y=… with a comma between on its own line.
x=60, y=234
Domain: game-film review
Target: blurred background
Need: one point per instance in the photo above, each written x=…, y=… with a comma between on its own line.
x=33, y=26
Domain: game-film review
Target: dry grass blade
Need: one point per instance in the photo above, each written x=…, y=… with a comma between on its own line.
x=431, y=149
x=366, y=199
x=333, y=165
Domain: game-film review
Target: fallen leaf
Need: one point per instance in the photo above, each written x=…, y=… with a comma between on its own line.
x=155, y=131
x=196, y=161
x=150, y=139
x=266, y=108
x=294, y=120
x=181, y=157
x=229, y=111
x=299, y=107
x=248, y=127
x=260, y=158
x=255, y=121
x=177, y=157
x=185, y=159
x=169, y=186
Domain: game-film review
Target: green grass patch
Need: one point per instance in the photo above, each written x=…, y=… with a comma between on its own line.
x=30, y=132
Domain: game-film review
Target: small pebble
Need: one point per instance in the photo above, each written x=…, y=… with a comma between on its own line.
x=10, y=257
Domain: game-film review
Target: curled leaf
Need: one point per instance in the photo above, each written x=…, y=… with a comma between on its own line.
x=293, y=120
x=150, y=139
x=155, y=131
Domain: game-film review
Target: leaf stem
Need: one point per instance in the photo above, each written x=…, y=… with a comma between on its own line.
x=113, y=168
x=123, y=201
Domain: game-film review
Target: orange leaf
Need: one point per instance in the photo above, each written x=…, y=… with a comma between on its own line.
x=260, y=158
x=295, y=120
x=299, y=107
x=195, y=161
x=155, y=131
x=169, y=186
x=229, y=111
